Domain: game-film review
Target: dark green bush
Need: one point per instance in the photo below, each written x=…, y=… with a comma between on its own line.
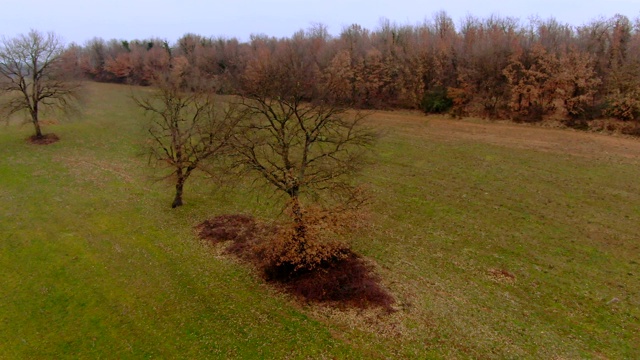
x=436, y=101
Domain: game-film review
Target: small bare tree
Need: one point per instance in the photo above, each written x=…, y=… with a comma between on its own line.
x=187, y=125
x=32, y=77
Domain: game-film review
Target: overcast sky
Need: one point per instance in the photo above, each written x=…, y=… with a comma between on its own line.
x=80, y=20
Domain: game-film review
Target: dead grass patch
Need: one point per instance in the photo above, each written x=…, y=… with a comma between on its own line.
x=612, y=126
x=93, y=169
x=501, y=276
x=239, y=228
x=537, y=137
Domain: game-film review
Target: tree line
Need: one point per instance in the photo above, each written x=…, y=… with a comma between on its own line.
x=496, y=67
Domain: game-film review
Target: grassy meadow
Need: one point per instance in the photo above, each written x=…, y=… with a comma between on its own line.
x=491, y=249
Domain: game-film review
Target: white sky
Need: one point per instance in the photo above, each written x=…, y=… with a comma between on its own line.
x=81, y=20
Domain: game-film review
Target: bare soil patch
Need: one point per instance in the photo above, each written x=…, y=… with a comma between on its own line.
x=349, y=281
x=46, y=139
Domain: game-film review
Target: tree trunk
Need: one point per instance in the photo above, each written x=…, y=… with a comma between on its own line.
x=35, y=100
x=36, y=121
x=177, y=201
x=36, y=124
x=300, y=233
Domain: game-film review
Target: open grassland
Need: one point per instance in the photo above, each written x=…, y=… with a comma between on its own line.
x=498, y=241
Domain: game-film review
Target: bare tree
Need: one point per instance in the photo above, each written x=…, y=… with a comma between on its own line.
x=302, y=148
x=187, y=125
x=32, y=76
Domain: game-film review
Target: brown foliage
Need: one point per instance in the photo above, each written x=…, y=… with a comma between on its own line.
x=332, y=272
x=340, y=78
x=577, y=84
x=239, y=228
x=624, y=106
x=507, y=69
x=307, y=241
x=461, y=98
x=531, y=77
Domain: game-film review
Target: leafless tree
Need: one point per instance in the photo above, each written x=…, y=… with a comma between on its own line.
x=187, y=125
x=300, y=145
x=302, y=150
x=32, y=78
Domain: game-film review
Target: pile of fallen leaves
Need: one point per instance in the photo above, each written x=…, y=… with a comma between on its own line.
x=342, y=277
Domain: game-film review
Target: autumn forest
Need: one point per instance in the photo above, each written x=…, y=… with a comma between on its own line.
x=497, y=67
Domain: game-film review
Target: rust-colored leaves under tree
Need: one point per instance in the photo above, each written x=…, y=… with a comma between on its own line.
x=346, y=279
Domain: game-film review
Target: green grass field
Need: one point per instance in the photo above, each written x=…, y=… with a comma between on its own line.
x=492, y=250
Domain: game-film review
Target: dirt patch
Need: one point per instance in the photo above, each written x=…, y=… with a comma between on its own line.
x=348, y=281
x=239, y=228
x=45, y=139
